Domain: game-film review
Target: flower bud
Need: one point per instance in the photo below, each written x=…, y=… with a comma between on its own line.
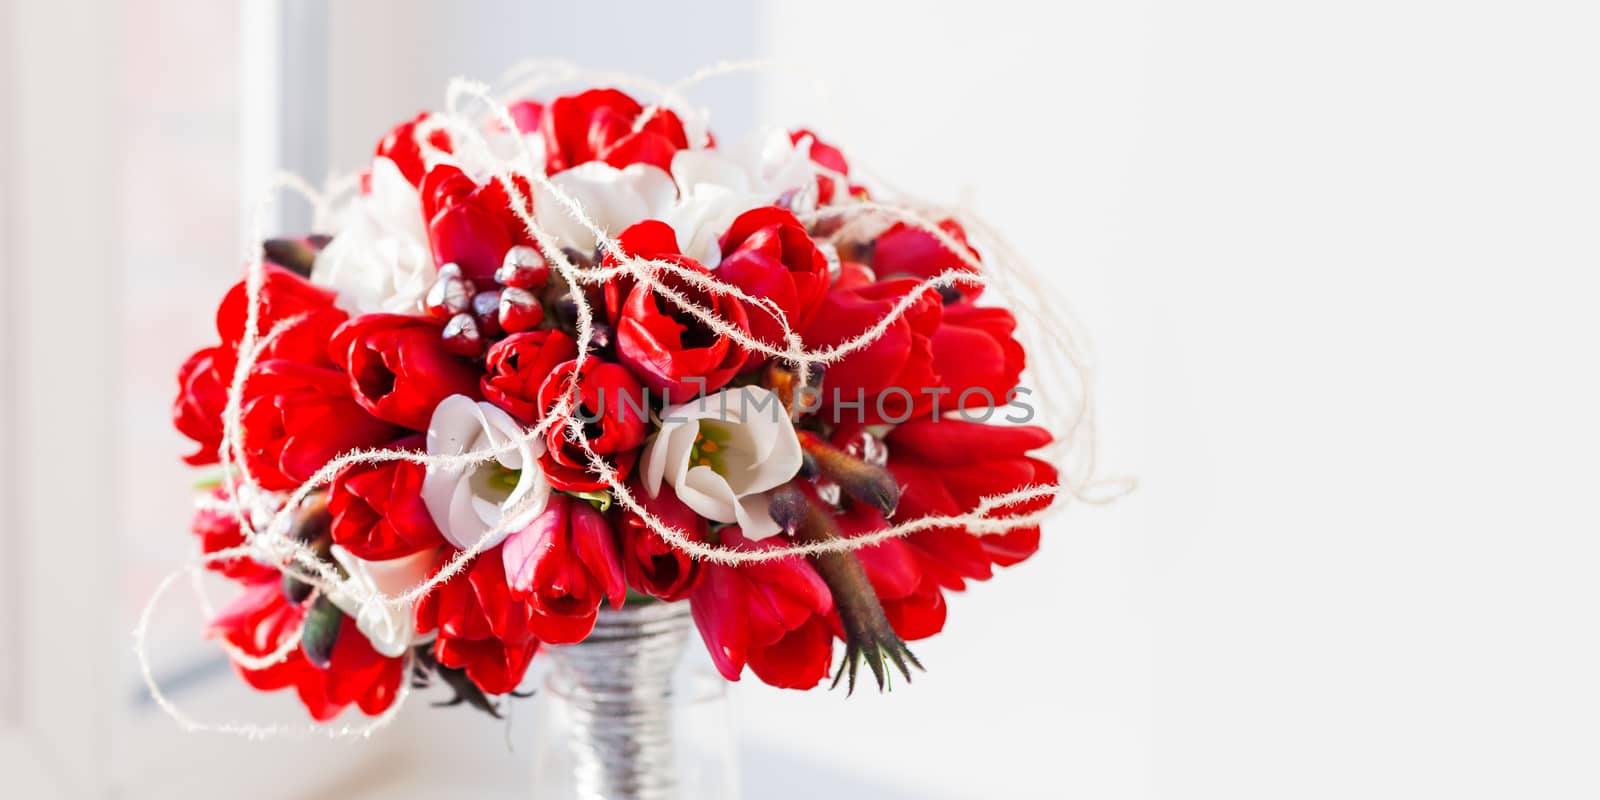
x=865, y=483
x=524, y=268
x=461, y=336
x=320, y=632
x=450, y=295
x=601, y=337
x=311, y=520
x=787, y=507
x=295, y=255
x=867, y=632
x=486, y=312
x=295, y=590
x=519, y=310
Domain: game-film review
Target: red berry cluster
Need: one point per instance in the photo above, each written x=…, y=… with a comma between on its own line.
x=475, y=318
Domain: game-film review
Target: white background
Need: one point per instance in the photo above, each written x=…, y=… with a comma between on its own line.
x=1339, y=261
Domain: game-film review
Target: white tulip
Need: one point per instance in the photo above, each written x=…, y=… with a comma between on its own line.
x=702, y=215
x=387, y=626
x=764, y=167
x=467, y=502
x=380, y=259
x=721, y=452
x=613, y=198
x=502, y=146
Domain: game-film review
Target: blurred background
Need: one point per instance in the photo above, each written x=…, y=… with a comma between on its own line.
x=1340, y=265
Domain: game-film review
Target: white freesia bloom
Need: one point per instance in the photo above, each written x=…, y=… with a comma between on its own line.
x=613, y=198
x=764, y=167
x=702, y=215
x=380, y=260
x=502, y=145
x=721, y=452
x=388, y=627
x=466, y=502
x=705, y=192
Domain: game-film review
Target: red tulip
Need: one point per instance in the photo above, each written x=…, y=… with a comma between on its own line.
x=400, y=146
x=399, y=368
x=283, y=296
x=297, y=418
x=768, y=254
x=204, y=378
x=377, y=509
x=828, y=156
x=614, y=410
x=906, y=250
x=945, y=467
x=597, y=125
x=564, y=564
x=976, y=348
x=653, y=566
x=482, y=629
x=469, y=224
x=668, y=349
x=261, y=620
x=218, y=530
x=770, y=615
x=202, y=394
x=517, y=366
x=887, y=380
x=527, y=115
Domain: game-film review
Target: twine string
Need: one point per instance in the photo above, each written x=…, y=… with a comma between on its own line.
x=1047, y=336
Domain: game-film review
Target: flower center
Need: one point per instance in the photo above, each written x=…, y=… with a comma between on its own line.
x=373, y=376
x=710, y=445
x=501, y=477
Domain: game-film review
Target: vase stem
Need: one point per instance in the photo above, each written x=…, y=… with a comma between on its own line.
x=617, y=685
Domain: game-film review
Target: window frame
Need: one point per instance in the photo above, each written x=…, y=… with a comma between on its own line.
x=67, y=727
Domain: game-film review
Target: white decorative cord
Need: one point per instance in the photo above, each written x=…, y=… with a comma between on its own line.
x=1049, y=340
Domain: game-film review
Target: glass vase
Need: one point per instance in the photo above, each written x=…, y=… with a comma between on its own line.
x=620, y=719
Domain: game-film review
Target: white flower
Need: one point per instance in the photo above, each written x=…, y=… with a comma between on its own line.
x=613, y=198
x=702, y=215
x=502, y=146
x=705, y=192
x=466, y=502
x=721, y=452
x=387, y=626
x=380, y=259
x=716, y=186
x=765, y=167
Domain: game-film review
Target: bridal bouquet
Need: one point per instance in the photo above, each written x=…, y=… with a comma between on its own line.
x=581, y=354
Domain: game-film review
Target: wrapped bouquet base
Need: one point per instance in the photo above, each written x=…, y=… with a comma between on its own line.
x=610, y=730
